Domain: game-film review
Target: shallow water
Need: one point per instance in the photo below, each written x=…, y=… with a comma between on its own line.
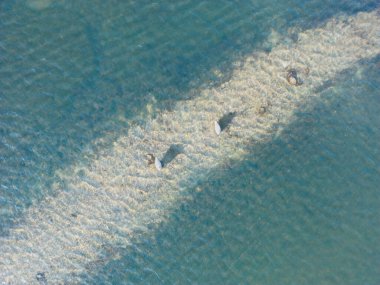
x=302, y=209
x=72, y=73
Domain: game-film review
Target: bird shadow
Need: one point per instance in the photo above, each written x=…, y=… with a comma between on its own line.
x=171, y=153
x=226, y=120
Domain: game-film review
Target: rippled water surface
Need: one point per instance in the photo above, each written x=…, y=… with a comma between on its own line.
x=303, y=209
x=300, y=209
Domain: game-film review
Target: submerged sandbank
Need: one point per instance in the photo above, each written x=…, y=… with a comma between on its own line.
x=119, y=196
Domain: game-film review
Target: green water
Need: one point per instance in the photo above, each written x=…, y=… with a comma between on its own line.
x=302, y=209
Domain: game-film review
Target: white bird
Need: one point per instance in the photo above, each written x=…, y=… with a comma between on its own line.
x=157, y=163
x=218, y=129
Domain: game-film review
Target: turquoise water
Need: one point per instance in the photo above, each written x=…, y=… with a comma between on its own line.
x=302, y=209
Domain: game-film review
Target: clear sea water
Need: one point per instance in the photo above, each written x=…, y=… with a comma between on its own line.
x=301, y=209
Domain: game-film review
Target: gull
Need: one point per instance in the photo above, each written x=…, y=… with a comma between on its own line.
x=157, y=163
x=218, y=129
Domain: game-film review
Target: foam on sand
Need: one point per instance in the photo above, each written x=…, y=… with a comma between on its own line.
x=118, y=197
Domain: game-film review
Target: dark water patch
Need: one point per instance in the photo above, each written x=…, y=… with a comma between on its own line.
x=302, y=209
